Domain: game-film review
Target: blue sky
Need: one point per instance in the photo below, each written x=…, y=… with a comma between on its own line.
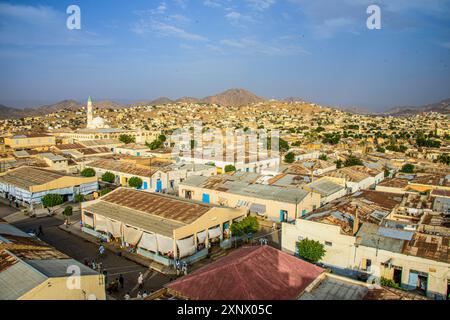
x=320, y=50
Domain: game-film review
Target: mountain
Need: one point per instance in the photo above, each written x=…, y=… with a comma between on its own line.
x=234, y=97
x=441, y=107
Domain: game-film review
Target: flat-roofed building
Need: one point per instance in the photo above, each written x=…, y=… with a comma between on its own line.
x=160, y=227
x=30, y=141
x=328, y=189
x=241, y=190
x=28, y=185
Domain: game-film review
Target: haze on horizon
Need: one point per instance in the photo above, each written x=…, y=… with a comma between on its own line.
x=318, y=50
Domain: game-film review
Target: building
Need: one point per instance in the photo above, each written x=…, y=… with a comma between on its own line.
x=249, y=273
x=30, y=141
x=27, y=185
x=361, y=242
x=97, y=129
x=157, y=176
x=159, y=227
x=241, y=190
x=357, y=177
x=32, y=270
x=54, y=161
x=329, y=190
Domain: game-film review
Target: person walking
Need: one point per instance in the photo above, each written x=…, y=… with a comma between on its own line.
x=121, y=281
x=139, y=295
x=145, y=294
x=141, y=280
x=40, y=231
x=127, y=296
x=101, y=250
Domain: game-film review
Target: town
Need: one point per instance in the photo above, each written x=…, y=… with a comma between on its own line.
x=340, y=200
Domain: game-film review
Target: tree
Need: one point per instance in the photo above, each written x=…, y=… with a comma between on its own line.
x=289, y=157
x=88, y=172
x=407, y=168
x=338, y=163
x=104, y=191
x=311, y=250
x=67, y=213
x=155, y=144
x=248, y=225
x=323, y=157
x=353, y=161
x=108, y=177
x=230, y=168
x=51, y=200
x=135, y=182
x=444, y=158
x=331, y=138
x=381, y=149
x=79, y=198
x=283, y=145
x=126, y=138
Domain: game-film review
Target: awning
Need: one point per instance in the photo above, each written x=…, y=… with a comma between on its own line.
x=148, y=242
x=165, y=244
x=114, y=227
x=186, y=247
x=214, y=232
x=100, y=223
x=201, y=236
x=131, y=235
x=258, y=208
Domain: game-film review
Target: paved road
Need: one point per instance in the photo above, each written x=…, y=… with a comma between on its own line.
x=81, y=249
x=6, y=210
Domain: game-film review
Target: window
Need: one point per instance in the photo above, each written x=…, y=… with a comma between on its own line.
x=328, y=243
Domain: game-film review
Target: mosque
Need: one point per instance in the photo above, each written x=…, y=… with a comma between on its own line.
x=97, y=129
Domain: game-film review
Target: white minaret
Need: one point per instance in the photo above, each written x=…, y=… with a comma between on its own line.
x=90, y=115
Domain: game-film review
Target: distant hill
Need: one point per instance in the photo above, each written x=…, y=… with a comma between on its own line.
x=441, y=107
x=234, y=97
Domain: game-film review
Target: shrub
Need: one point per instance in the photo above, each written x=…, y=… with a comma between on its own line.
x=407, y=168
x=88, y=172
x=135, y=182
x=311, y=250
x=109, y=177
x=289, y=157
x=245, y=226
x=78, y=198
x=230, y=168
x=126, y=138
x=104, y=191
x=353, y=161
x=51, y=200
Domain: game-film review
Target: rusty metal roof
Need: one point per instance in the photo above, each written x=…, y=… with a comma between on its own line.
x=157, y=204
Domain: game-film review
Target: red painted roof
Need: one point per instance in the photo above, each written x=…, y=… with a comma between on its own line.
x=250, y=273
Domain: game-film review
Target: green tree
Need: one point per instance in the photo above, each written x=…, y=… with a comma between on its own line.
x=230, y=168
x=338, y=163
x=407, y=168
x=381, y=149
x=68, y=213
x=323, y=157
x=352, y=161
x=289, y=157
x=135, y=182
x=88, y=172
x=79, y=198
x=126, y=138
x=310, y=250
x=51, y=200
x=444, y=158
x=108, y=177
x=248, y=225
x=283, y=145
x=104, y=191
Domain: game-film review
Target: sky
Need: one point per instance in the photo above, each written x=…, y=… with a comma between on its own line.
x=321, y=51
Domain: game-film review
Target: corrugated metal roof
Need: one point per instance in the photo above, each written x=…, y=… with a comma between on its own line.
x=11, y=230
x=54, y=268
x=395, y=234
x=18, y=279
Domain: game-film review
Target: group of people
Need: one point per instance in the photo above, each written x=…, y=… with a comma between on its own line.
x=138, y=296
x=181, y=267
x=115, y=284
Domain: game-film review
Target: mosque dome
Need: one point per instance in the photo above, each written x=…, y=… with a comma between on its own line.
x=98, y=122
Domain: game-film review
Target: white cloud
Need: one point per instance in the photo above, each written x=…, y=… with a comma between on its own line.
x=212, y=3
x=260, y=4
x=237, y=18
x=252, y=46
x=165, y=30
